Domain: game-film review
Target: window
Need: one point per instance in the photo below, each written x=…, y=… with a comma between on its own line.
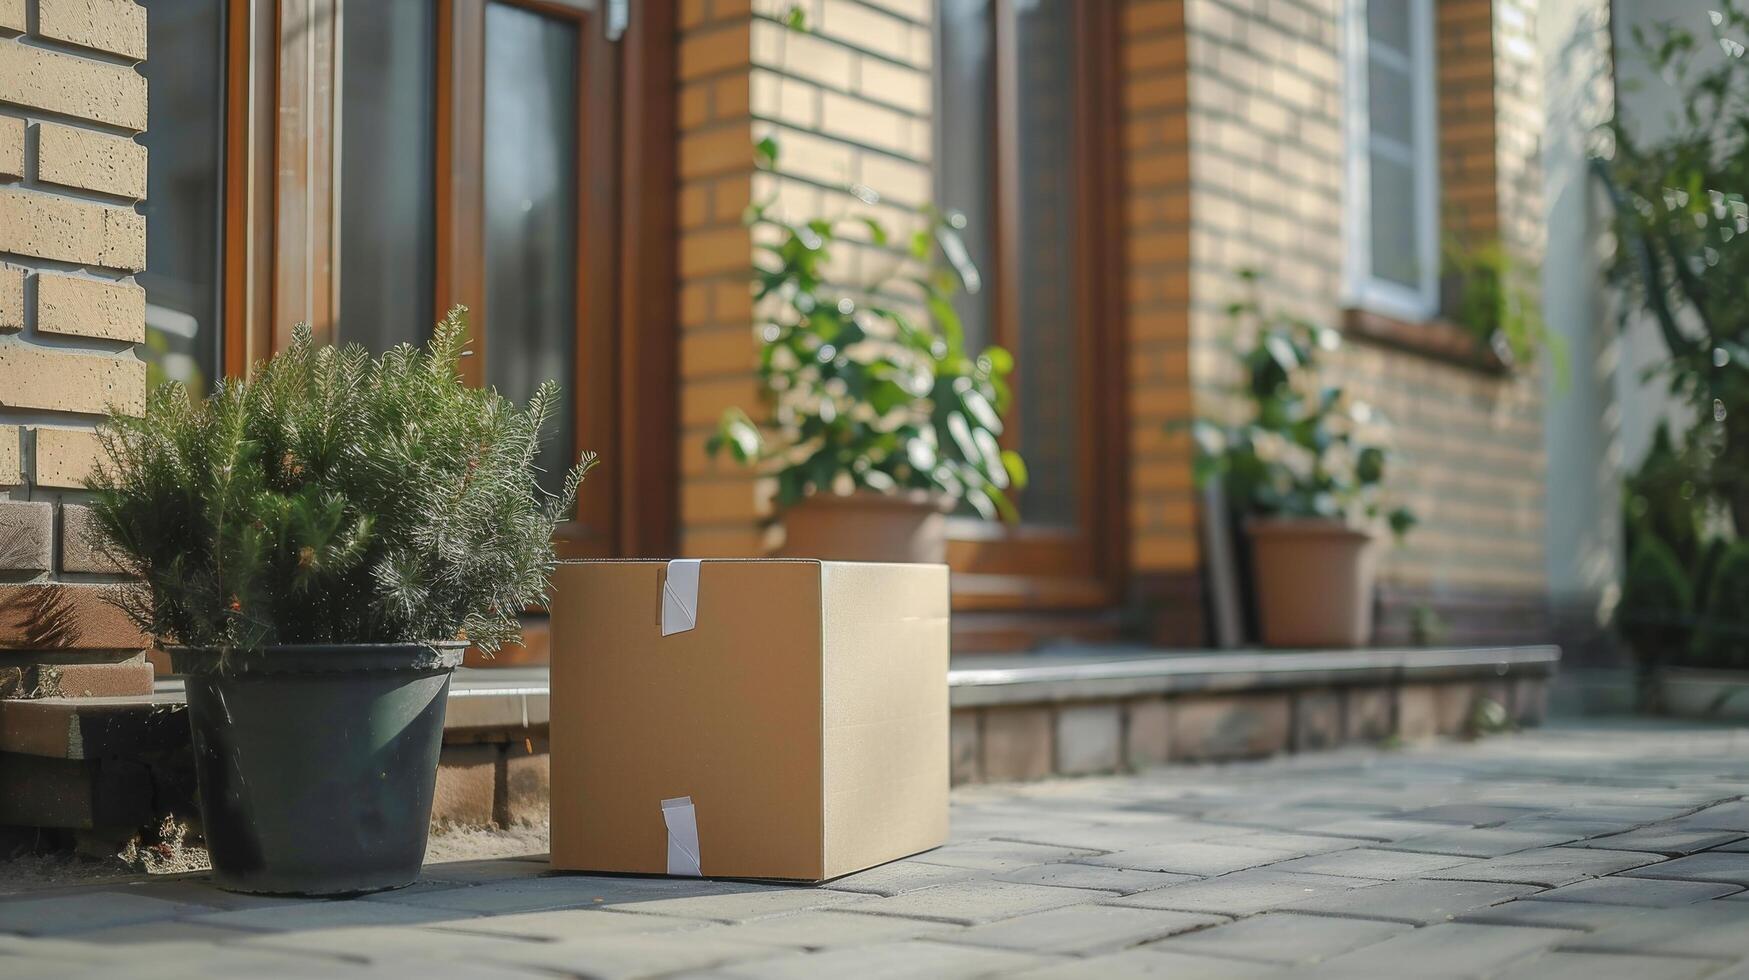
x=1392, y=159
x=185, y=79
x=1026, y=132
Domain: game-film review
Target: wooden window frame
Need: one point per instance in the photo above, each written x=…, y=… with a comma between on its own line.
x=1006, y=572
x=279, y=228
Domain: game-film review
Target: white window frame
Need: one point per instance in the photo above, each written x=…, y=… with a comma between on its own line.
x=1360, y=287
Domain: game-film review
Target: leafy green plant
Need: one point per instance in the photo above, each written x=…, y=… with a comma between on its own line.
x=1495, y=300
x=1656, y=611
x=862, y=394
x=1681, y=223
x=1302, y=452
x=1721, y=637
x=333, y=498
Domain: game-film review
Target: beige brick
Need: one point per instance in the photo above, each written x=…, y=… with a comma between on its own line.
x=1147, y=732
x=75, y=86
x=53, y=227
x=1212, y=727
x=1368, y=713
x=11, y=148
x=83, y=548
x=62, y=381
x=895, y=85
x=27, y=541
x=82, y=307
x=467, y=780
x=527, y=785
x=12, y=16
x=91, y=161
x=1089, y=738
x=66, y=457
x=963, y=747
x=11, y=298
x=1017, y=743
x=116, y=26
x=10, y=472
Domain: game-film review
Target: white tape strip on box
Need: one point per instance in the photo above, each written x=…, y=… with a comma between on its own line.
x=680, y=596
x=682, y=821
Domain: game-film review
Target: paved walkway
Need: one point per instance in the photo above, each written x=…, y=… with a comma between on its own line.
x=1602, y=852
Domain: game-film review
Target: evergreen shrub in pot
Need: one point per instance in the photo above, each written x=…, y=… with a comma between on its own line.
x=316, y=546
x=1302, y=474
x=883, y=419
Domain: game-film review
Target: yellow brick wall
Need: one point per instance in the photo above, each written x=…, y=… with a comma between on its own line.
x=72, y=102
x=1157, y=209
x=1266, y=165
x=849, y=101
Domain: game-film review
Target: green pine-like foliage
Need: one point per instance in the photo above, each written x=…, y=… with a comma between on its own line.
x=334, y=498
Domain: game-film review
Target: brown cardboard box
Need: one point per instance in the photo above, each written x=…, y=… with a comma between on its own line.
x=804, y=714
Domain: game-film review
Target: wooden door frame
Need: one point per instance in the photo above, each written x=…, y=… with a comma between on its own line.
x=626, y=226
x=1005, y=574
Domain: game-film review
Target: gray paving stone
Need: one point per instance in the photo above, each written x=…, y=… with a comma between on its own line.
x=824, y=929
x=1725, y=866
x=1299, y=845
x=183, y=960
x=742, y=906
x=1483, y=841
x=564, y=891
x=1243, y=892
x=1647, y=892
x=387, y=944
x=1367, y=862
x=1548, y=866
x=1454, y=949
x=1578, y=916
x=614, y=957
x=1000, y=855
x=1283, y=937
x=67, y=913
x=1122, y=881
x=1190, y=857
x=920, y=959
x=1419, y=902
x=973, y=902
x=327, y=915
x=1471, y=814
x=1708, y=929
x=1591, y=966
x=1153, y=962
x=1664, y=839
x=1378, y=828
x=1733, y=816
x=155, y=932
x=562, y=924
x=1082, y=929
x=899, y=877
x=1124, y=837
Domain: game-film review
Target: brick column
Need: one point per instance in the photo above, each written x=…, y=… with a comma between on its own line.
x=848, y=101
x=71, y=318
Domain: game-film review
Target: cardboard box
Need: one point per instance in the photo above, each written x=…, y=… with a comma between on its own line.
x=795, y=712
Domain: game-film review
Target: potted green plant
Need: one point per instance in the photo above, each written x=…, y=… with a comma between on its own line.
x=315, y=547
x=883, y=420
x=1681, y=223
x=1304, y=481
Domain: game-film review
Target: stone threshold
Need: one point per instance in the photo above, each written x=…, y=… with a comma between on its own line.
x=510, y=699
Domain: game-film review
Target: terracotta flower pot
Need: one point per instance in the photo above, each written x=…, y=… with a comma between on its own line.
x=867, y=527
x=1314, y=581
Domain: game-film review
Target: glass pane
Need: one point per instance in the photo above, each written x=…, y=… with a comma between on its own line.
x=1048, y=350
x=1390, y=99
x=1394, y=238
x=185, y=79
x=387, y=182
x=965, y=116
x=1387, y=23
x=531, y=216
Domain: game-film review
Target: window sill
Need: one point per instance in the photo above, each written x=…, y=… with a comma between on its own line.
x=1438, y=339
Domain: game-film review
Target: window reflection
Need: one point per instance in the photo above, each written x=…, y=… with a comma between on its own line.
x=184, y=138
x=387, y=202
x=531, y=215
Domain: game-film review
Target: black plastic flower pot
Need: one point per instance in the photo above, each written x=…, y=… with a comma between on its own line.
x=316, y=764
